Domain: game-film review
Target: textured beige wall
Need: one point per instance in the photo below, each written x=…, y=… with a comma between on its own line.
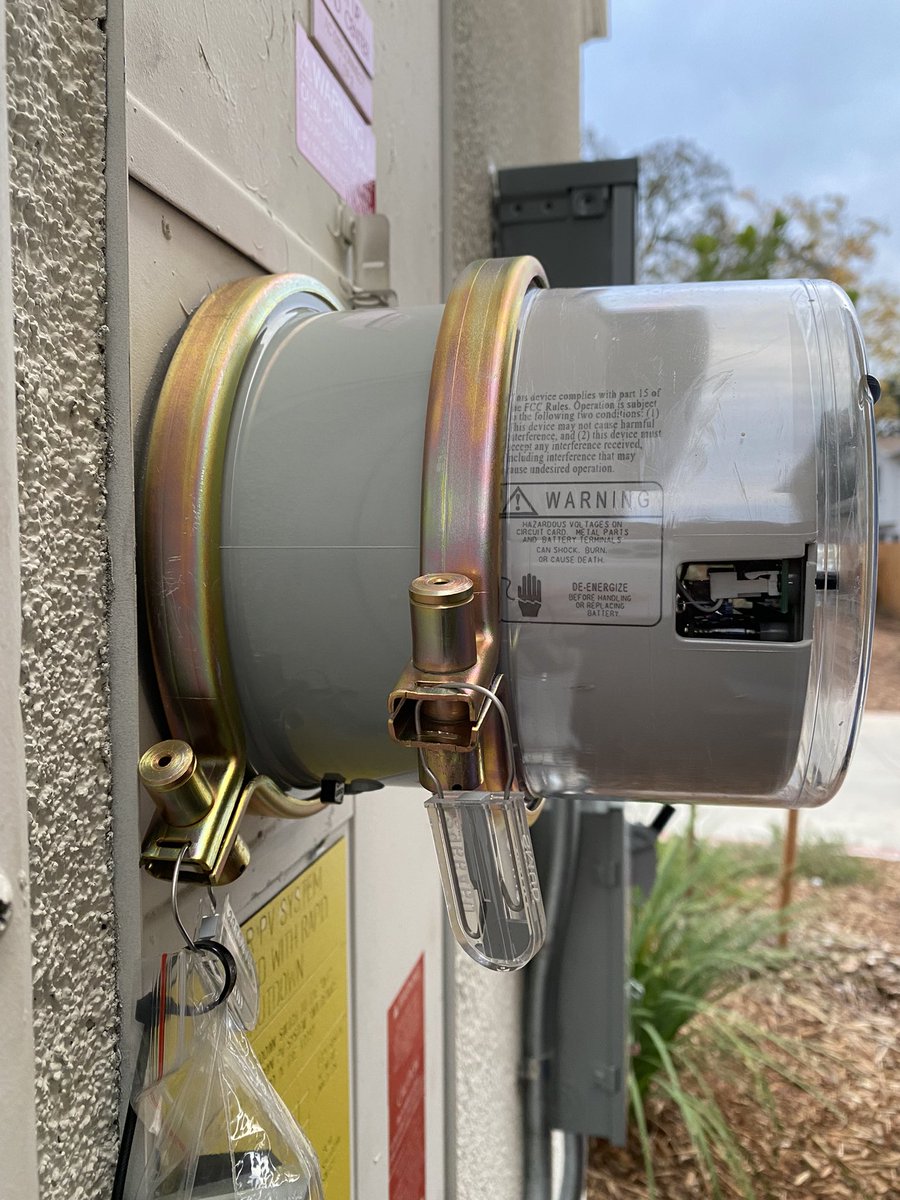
x=18, y=1141
x=488, y=1151
x=57, y=108
x=513, y=88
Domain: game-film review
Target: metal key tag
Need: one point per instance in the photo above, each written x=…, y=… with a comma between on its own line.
x=218, y=923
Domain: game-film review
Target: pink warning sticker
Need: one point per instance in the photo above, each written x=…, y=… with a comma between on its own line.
x=357, y=27
x=331, y=41
x=331, y=134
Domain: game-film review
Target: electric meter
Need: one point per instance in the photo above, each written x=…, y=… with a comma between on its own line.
x=633, y=529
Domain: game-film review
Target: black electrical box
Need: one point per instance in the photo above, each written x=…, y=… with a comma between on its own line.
x=577, y=219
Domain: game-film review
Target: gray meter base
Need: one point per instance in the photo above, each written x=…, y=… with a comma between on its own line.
x=321, y=537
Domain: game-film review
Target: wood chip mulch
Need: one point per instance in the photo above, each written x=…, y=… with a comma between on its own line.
x=841, y=999
x=884, y=681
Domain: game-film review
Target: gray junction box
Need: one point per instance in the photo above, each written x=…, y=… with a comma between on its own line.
x=587, y=1043
x=577, y=218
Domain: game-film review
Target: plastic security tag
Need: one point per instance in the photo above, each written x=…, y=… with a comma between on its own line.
x=490, y=881
x=221, y=925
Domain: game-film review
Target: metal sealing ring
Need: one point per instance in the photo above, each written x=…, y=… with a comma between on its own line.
x=182, y=515
x=462, y=476
x=465, y=432
x=182, y=568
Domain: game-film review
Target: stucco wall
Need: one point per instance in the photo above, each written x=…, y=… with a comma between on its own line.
x=513, y=84
x=488, y=1148
x=18, y=1143
x=56, y=96
x=511, y=98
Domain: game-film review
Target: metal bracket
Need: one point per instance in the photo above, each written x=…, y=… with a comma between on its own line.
x=200, y=780
x=608, y=874
x=608, y=1079
x=367, y=236
x=462, y=473
x=6, y=902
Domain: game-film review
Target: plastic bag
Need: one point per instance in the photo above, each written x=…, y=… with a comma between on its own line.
x=209, y=1125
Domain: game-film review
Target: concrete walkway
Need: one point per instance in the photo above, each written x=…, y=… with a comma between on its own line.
x=865, y=812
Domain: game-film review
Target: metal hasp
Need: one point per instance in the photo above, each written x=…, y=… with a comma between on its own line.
x=199, y=778
x=577, y=218
x=367, y=239
x=457, y=594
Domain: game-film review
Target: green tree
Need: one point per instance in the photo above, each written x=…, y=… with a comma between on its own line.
x=750, y=252
x=695, y=225
x=684, y=192
x=813, y=239
x=888, y=407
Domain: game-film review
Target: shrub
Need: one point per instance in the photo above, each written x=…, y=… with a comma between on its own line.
x=703, y=931
x=820, y=857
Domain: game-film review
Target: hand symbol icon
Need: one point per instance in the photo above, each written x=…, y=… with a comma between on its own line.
x=530, y=595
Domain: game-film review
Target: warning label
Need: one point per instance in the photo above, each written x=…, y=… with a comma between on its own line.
x=583, y=553
x=299, y=942
x=406, y=1088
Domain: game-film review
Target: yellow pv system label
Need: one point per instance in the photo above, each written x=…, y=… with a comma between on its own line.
x=299, y=942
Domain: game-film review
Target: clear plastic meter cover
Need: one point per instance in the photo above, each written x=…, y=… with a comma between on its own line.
x=689, y=518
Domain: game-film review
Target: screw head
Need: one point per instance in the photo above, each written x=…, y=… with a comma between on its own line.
x=7, y=897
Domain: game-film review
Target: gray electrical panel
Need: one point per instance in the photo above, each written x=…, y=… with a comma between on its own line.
x=588, y=1063
x=578, y=219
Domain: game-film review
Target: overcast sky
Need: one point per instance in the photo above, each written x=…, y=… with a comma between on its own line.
x=793, y=96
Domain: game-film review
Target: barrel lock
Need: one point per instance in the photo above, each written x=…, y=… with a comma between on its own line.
x=200, y=804
x=453, y=729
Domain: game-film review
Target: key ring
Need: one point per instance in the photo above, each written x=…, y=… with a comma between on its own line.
x=207, y=945
x=188, y=940
x=226, y=958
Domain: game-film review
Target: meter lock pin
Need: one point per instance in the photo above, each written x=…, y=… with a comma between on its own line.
x=486, y=862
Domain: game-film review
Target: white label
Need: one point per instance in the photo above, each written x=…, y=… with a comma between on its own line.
x=585, y=553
